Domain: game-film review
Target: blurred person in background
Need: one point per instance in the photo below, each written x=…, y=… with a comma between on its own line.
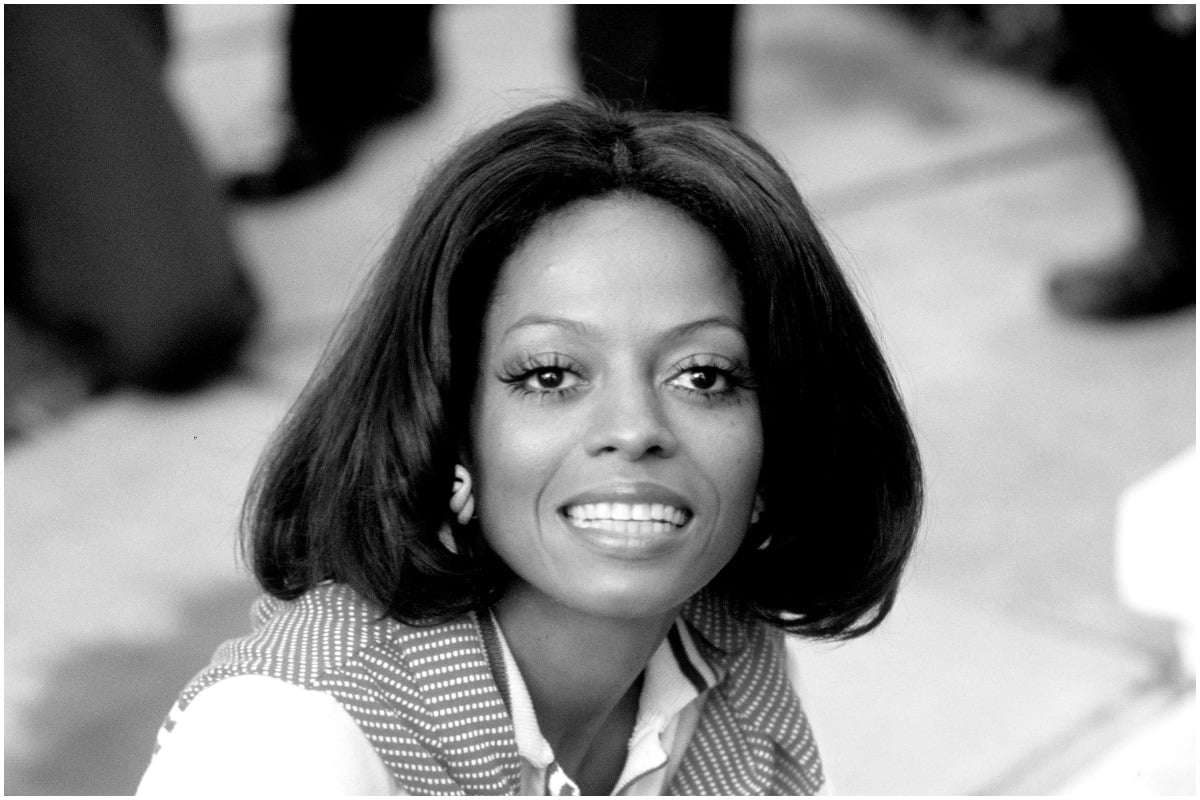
x=1138, y=63
x=119, y=268
x=353, y=67
x=1137, y=66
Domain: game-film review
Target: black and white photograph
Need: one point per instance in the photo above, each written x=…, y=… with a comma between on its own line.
x=544, y=399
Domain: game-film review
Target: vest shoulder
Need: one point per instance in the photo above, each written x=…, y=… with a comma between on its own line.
x=324, y=634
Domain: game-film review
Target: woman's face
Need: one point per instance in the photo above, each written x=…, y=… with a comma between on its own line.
x=616, y=438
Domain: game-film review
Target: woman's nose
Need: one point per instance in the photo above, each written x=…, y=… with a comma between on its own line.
x=630, y=422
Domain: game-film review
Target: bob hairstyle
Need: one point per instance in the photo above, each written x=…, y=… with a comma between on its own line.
x=355, y=486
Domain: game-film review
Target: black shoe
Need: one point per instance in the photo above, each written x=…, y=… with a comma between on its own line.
x=44, y=379
x=323, y=139
x=303, y=165
x=1135, y=284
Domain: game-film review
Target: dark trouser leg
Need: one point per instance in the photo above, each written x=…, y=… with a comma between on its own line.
x=1142, y=78
x=117, y=236
x=350, y=66
x=665, y=57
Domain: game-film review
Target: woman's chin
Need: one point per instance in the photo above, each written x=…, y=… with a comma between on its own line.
x=622, y=593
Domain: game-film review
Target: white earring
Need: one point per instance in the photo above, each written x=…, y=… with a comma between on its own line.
x=759, y=507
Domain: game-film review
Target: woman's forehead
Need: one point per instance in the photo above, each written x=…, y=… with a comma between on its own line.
x=619, y=263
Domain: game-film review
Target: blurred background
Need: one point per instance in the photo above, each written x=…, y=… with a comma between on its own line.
x=960, y=163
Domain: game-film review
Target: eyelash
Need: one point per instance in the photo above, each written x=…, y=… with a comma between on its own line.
x=519, y=375
x=736, y=377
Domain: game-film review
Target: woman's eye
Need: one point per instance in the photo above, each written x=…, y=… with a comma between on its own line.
x=705, y=379
x=544, y=376
x=547, y=379
x=711, y=377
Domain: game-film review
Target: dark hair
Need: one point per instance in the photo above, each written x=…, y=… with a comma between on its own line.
x=356, y=484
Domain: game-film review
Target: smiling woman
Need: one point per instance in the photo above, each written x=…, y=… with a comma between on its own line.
x=613, y=394
x=608, y=424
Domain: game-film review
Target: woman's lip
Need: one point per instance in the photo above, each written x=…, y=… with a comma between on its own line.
x=614, y=535
x=628, y=540
x=643, y=544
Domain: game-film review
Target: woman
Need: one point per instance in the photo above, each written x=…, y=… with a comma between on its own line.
x=620, y=345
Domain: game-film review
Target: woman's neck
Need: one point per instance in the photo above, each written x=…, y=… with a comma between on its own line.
x=582, y=673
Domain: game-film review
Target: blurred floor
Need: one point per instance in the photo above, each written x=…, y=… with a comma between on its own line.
x=948, y=188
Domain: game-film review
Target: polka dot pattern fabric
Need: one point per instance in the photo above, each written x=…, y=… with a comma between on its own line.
x=427, y=700
x=423, y=697
x=753, y=737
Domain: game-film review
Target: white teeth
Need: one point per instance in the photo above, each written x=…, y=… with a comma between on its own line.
x=625, y=526
x=592, y=514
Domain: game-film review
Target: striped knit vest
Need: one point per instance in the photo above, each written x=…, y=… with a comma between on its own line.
x=427, y=700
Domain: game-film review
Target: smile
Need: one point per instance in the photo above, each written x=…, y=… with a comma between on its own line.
x=628, y=517
x=630, y=521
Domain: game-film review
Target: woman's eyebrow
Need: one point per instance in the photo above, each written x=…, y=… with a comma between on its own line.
x=532, y=320
x=580, y=328
x=718, y=321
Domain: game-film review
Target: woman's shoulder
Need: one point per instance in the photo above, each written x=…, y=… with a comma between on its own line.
x=253, y=733
x=730, y=631
x=325, y=635
x=329, y=651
